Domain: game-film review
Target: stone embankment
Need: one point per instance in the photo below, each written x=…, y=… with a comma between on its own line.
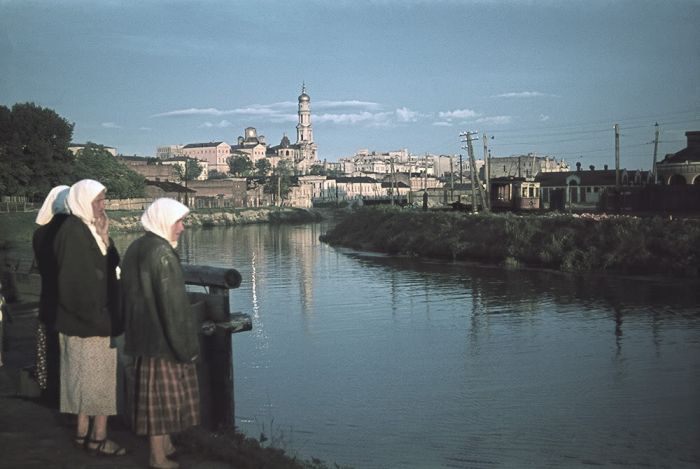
x=131, y=221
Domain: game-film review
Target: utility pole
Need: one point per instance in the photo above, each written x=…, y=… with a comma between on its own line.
x=473, y=175
x=425, y=175
x=617, y=157
x=393, y=181
x=656, y=147
x=460, y=169
x=487, y=175
x=452, y=182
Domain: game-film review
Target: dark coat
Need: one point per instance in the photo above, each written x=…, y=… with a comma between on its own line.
x=88, y=291
x=159, y=321
x=45, y=260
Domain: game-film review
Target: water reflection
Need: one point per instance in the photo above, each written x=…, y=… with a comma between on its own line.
x=376, y=361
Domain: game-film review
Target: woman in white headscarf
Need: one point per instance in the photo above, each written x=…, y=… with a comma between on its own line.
x=51, y=216
x=160, y=331
x=87, y=296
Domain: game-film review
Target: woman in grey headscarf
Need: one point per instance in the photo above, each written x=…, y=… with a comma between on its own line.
x=87, y=295
x=160, y=331
x=51, y=216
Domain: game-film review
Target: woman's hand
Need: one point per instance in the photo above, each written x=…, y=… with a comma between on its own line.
x=102, y=227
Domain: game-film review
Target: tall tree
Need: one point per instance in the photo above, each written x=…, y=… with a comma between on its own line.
x=262, y=167
x=240, y=165
x=34, y=153
x=189, y=171
x=95, y=162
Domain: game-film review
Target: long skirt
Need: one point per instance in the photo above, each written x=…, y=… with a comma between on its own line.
x=167, y=396
x=47, y=363
x=88, y=375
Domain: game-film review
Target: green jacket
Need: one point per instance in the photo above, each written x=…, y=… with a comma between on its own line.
x=87, y=290
x=158, y=319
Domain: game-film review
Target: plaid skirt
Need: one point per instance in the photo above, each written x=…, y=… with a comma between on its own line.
x=166, y=396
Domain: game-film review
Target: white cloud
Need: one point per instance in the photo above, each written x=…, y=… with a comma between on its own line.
x=525, y=94
x=442, y=124
x=369, y=105
x=458, y=114
x=543, y=118
x=406, y=115
x=110, y=125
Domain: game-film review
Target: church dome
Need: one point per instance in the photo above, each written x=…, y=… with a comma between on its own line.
x=303, y=96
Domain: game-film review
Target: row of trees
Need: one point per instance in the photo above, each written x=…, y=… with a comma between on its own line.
x=34, y=156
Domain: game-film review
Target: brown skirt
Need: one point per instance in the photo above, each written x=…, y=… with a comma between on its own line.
x=167, y=396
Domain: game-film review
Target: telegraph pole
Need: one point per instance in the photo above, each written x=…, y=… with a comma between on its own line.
x=617, y=157
x=460, y=169
x=656, y=147
x=487, y=173
x=472, y=173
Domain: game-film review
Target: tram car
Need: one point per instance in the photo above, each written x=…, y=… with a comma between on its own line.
x=515, y=194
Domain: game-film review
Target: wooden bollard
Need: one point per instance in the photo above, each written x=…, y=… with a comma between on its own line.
x=215, y=367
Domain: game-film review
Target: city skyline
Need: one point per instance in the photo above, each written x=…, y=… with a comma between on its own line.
x=537, y=76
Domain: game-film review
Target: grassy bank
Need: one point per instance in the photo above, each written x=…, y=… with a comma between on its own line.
x=571, y=243
x=16, y=228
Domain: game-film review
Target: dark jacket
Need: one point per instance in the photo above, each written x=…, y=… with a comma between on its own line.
x=158, y=319
x=45, y=260
x=87, y=290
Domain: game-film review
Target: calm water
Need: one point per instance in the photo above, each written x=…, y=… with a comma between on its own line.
x=376, y=362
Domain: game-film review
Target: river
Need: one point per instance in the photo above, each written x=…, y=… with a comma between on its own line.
x=371, y=361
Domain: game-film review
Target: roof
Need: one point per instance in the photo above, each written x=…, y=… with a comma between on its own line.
x=203, y=145
x=169, y=186
x=690, y=153
x=596, y=177
x=354, y=180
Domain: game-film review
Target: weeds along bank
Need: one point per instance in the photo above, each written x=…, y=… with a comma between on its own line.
x=571, y=243
x=18, y=227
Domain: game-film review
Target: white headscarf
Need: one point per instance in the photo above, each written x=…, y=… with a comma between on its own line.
x=160, y=217
x=55, y=202
x=80, y=198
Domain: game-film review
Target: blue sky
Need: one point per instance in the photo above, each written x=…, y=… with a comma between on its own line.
x=543, y=76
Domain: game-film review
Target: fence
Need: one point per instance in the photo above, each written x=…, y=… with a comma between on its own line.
x=16, y=203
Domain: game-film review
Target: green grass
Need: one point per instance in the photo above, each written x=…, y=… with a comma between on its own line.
x=619, y=244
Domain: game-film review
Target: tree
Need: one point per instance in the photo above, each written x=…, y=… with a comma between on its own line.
x=189, y=171
x=318, y=170
x=281, y=179
x=262, y=167
x=214, y=174
x=34, y=153
x=240, y=165
x=95, y=162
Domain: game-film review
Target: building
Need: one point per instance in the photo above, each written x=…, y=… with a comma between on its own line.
x=682, y=167
x=216, y=154
x=529, y=165
x=250, y=145
x=181, y=162
x=169, y=151
x=150, y=170
x=584, y=188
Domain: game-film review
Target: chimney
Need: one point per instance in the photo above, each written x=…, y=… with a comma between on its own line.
x=693, y=138
x=605, y=167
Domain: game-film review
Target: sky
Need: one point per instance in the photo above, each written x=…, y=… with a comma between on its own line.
x=549, y=77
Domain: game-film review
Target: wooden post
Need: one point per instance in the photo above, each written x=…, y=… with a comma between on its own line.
x=215, y=368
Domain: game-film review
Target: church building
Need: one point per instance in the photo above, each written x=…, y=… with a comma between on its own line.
x=302, y=154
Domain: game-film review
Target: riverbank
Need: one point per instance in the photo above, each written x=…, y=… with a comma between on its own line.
x=570, y=243
x=18, y=227
x=34, y=435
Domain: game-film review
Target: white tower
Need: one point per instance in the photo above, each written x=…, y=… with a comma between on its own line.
x=305, y=134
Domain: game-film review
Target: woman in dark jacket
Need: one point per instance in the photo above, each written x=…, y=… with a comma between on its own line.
x=86, y=297
x=51, y=216
x=160, y=331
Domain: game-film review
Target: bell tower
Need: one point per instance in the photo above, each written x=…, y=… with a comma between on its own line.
x=305, y=134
